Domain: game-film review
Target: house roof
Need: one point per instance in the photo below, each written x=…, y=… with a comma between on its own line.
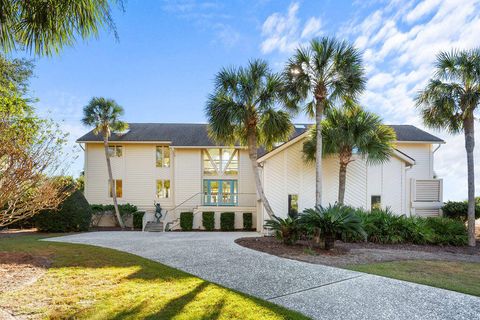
x=195, y=134
x=177, y=134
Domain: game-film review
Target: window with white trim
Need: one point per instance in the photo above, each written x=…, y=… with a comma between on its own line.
x=118, y=188
x=163, y=156
x=115, y=151
x=376, y=202
x=163, y=188
x=220, y=161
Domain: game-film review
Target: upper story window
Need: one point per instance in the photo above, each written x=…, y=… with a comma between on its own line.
x=163, y=156
x=115, y=151
x=220, y=161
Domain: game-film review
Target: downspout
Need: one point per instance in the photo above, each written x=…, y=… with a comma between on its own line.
x=405, y=189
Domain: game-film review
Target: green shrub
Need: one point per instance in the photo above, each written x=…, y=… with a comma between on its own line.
x=285, y=229
x=138, y=219
x=327, y=223
x=208, y=220
x=382, y=226
x=73, y=215
x=247, y=221
x=227, y=221
x=124, y=209
x=459, y=210
x=448, y=231
x=186, y=221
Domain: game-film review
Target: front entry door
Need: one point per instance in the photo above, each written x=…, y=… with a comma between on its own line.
x=220, y=192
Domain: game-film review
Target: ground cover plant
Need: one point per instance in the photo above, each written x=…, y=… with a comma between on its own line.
x=86, y=282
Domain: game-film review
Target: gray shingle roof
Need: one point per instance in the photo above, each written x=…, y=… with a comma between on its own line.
x=195, y=134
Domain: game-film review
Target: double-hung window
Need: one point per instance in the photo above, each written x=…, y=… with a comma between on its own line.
x=163, y=188
x=115, y=151
x=118, y=188
x=163, y=156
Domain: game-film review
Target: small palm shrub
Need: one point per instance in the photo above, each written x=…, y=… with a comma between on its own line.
x=448, y=231
x=208, y=220
x=327, y=223
x=186, y=221
x=285, y=229
x=383, y=226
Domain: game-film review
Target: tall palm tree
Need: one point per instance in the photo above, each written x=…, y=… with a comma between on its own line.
x=319, y=75
x=450, y=101
x=46, y=26
x=245, y=108
x=104, y=116
x=352, y=130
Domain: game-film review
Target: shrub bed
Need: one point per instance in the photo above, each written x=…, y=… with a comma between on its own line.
x=186, y=221
x=247, y=221
x=73, y=215
x=124, y=209
x=208, y=220
x=459, y=210
x=227, y=221
x=382, y=226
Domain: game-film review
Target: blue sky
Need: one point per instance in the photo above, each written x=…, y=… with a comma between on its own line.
x=162, y=67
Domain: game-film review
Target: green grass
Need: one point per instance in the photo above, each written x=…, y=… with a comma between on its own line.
x=457, y=276
x=87, y=282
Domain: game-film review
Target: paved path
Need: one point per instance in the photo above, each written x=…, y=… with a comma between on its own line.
x=318, y=291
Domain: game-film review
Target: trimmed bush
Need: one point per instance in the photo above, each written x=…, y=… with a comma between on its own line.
x=138, y=219
x=227, y=221
x=73, y=215
x=186, y=221
x=208, y=220
x=459, y=210
x=247, y=221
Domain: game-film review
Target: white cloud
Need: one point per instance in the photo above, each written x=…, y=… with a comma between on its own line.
x=284, y=32
x=399, y=60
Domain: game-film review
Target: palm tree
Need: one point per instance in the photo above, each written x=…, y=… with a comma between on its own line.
x=450, y=101
x=319, y=75
x=245, y=108
x=352, y=130
x=46, y=26
x=104, y=115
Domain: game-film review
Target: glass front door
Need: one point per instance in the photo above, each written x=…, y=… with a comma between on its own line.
x=220, y=192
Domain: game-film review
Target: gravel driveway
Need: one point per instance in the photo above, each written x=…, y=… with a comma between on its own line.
x=318, y=291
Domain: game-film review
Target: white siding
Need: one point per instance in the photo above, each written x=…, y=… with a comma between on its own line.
x=188, y=176
x=246, y=181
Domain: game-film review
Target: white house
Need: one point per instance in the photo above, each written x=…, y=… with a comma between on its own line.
x=180, y=167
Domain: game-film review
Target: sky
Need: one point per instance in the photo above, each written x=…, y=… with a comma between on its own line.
x=162, y=66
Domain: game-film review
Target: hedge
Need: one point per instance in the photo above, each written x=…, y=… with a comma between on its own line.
x=459, y=210
x=73, y=215
x=247, y=221
x=138, y=219
x=208, y=220
x=227, y=221
x=124, y=209
x=186, y=221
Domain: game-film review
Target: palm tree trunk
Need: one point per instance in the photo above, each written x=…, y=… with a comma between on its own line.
x=112, y=186
x=252, y=153
x=469, y=146
x=342, y=181
x=318, y=152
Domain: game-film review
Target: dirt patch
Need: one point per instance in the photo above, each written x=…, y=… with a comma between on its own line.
x=359, y=253
x=20, y=269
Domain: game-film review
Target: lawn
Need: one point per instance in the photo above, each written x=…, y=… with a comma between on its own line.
x=86, y=282
x=457, y=276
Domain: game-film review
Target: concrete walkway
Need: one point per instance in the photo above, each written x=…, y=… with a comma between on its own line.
x=318, y=291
